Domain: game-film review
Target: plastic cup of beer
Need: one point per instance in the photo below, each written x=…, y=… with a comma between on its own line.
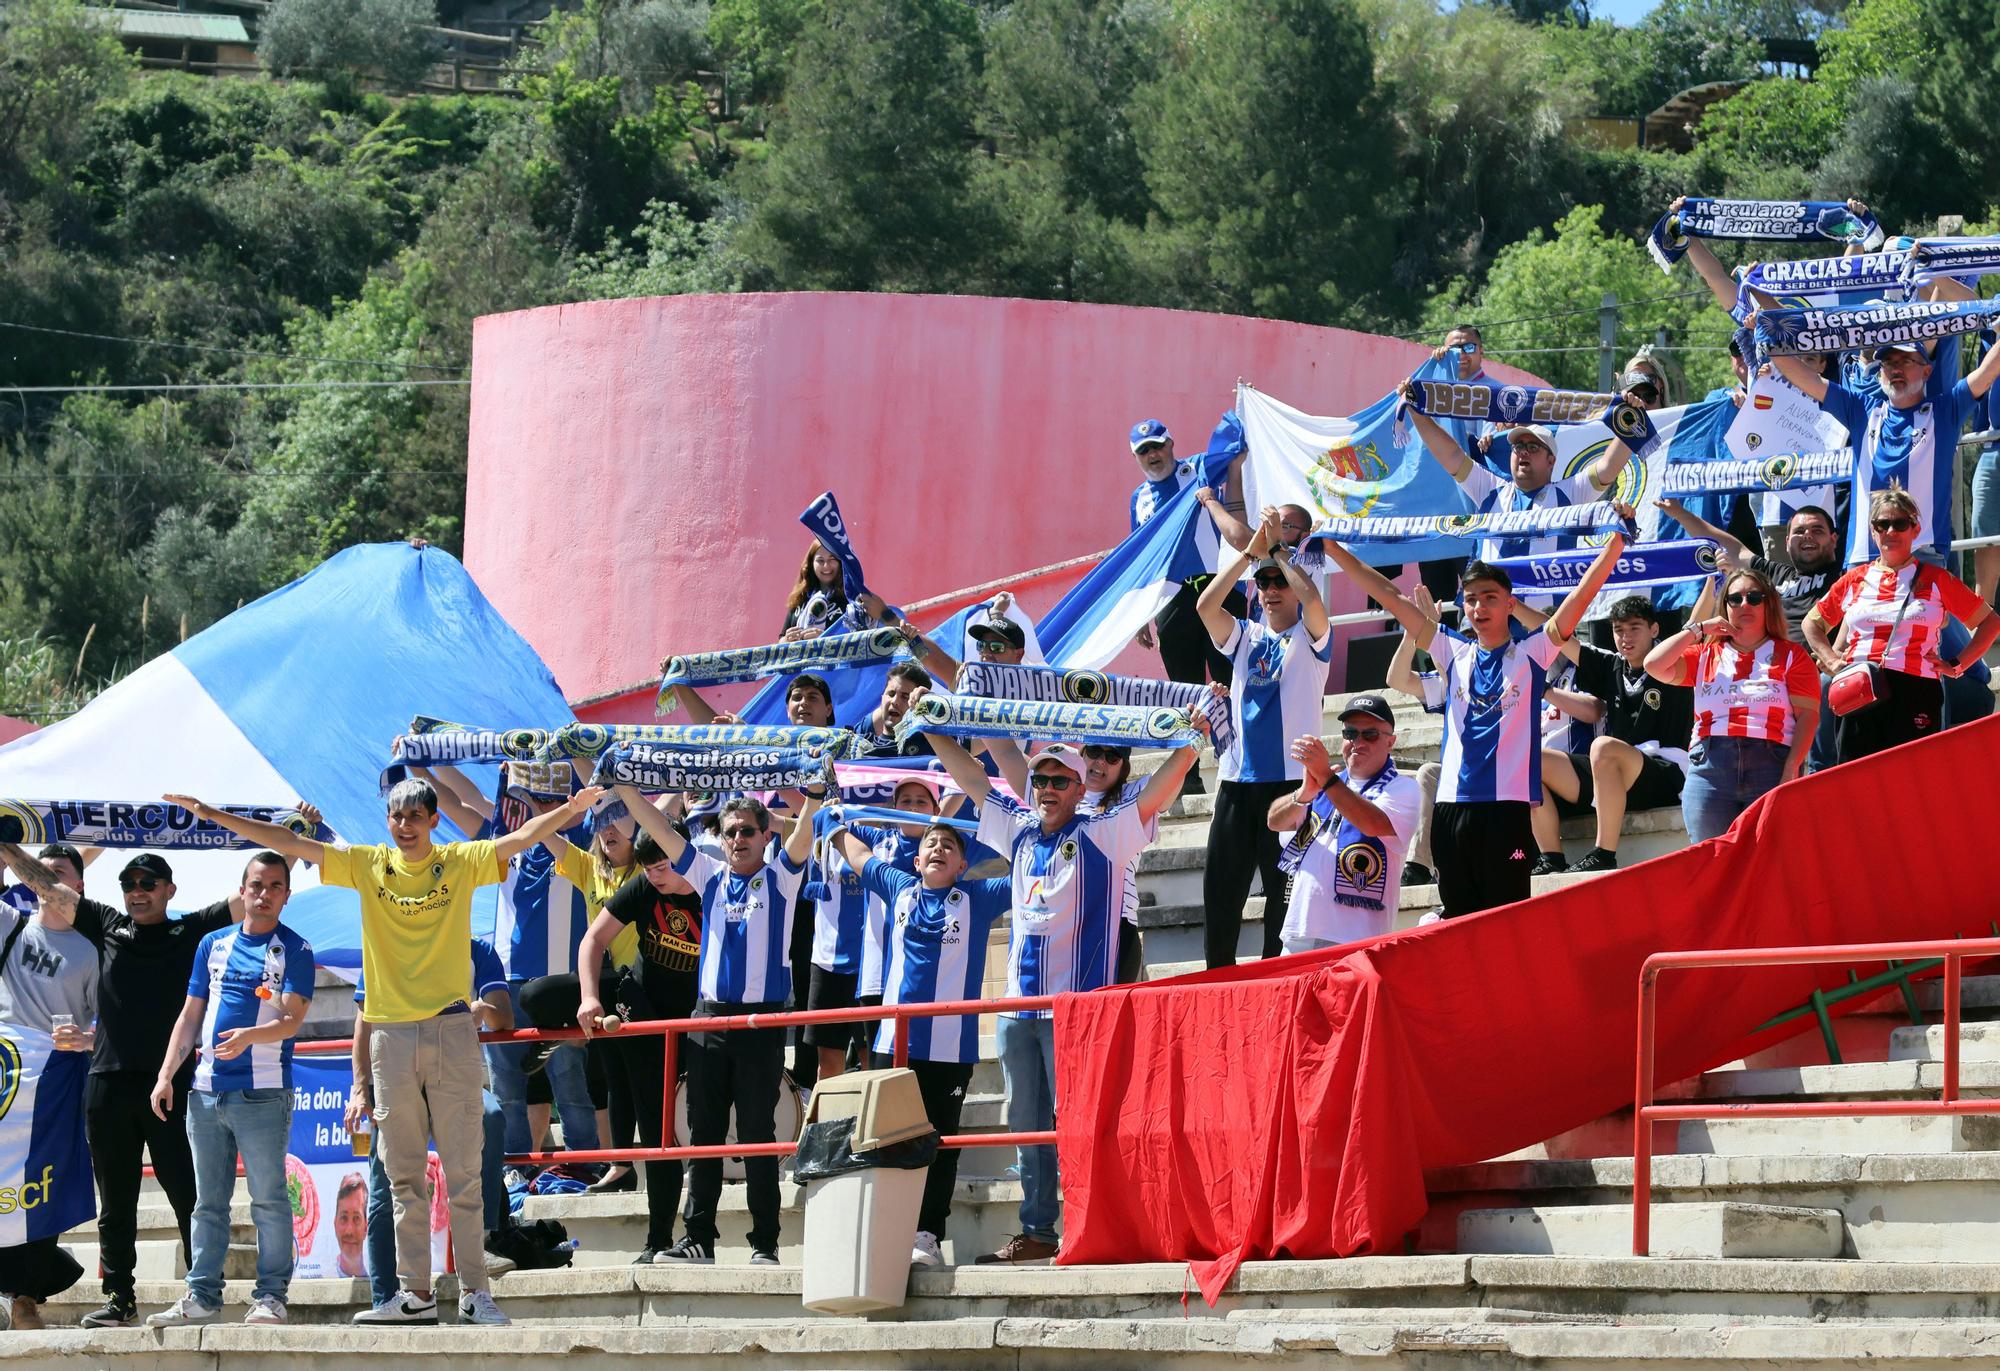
x=362, y=1136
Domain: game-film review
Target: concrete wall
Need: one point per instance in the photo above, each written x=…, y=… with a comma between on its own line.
x=637, y=466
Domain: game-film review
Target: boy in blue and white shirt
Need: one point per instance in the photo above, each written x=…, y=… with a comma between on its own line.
x=748, y=901
x=1068, y=887
x=1480, y=832
x=1277, y=676
x=246, y=1000
x=937, y=927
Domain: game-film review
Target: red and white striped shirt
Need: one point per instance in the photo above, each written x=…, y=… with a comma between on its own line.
x=1869, y=597
x=1741, y=694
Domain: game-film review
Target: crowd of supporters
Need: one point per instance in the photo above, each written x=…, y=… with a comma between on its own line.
x=1833, y=631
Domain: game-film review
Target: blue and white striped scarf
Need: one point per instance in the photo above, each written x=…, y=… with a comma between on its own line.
x=1104, y=725
x=1000, y=680
x=829, y=652
x=1780, y=221
x=1534, y=522
x=657, y=768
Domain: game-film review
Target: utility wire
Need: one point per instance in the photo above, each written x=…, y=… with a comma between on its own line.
x=230, y=385
x=232, y=352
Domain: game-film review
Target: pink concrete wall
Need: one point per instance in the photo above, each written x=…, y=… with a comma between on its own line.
x=12, y=728
x=637, y=466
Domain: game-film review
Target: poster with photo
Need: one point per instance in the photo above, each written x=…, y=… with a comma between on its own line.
x=328, y=1183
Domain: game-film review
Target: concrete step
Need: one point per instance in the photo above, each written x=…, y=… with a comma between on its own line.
x=1977, y=1042
x=1977, y=995
x=1727, y=1230
x=1779, y=1137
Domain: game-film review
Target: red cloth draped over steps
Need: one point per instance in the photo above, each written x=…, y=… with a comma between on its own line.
x=1290, y=1108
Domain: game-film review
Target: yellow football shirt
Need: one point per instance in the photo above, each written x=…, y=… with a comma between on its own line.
x=416, y=923
x=581, y=870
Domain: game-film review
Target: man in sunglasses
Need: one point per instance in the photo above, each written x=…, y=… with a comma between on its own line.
x=1000, y=640
x=1068, y=900
x=1354, y=828
x=147, y=958
x=1185, y=654
x=1905, y=434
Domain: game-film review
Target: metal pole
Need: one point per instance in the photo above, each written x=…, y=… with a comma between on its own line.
x=1951, y=989
x=1642, y=1126
x=670, y=1067
x=1607, y=341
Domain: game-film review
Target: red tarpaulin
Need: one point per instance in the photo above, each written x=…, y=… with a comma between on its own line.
x=1290, y=1108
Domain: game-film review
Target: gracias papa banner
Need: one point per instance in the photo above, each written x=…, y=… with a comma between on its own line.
x=328, y=1184
x=139, y=823
x=1105, y=725
x=1822, y=282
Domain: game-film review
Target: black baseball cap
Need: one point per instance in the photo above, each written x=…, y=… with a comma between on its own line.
x=999, y=628
x=151, y=862
x=1374, y=706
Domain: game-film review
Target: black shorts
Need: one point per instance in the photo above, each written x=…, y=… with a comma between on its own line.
x=834, y=990
x=1658, y=786
x=1482, y=851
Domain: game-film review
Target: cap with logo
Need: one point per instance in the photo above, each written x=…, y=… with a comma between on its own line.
x=998, y=628
x=151, y=862
x=1374, y=706
x=1062, y=755
x=1148, y=432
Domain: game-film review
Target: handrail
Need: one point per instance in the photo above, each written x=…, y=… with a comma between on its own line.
x=671, y=1029
x=1951, y=952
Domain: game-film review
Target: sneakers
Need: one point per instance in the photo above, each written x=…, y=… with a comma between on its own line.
x=266, y=1309
x=182, y=1312
x=1020, y=1250
x=477, y=1307
x=1548, y=864
x=924, y=1252
x=1597, y=859
x=646, y=1257
x=1416, y=873
x=1435, y=916
x=116, y=1313
x=25, y=1313
x=764, y=1257
x=686, y=1252
x=400, y=1308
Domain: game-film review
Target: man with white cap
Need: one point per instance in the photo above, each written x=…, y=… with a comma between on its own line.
x=1185, y=653
x=1068, y=900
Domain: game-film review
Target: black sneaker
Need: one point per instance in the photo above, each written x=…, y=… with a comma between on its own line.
x=1597, y=859
x=1416, y=873
x=686, y=1252
x=116, y=1313
x=645, y=1257
x=1548, y=864
x=764, y=1256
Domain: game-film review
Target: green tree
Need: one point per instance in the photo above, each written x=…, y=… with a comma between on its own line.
x=336, y=40
x=867, y=186
x=1268, y=150
x=647, y=44
x=757, y=39
x=668, y=254
x=1958, y=92
x=58, y=61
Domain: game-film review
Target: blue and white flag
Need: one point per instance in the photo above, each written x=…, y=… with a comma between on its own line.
x=660, y=769
x=139, y=823
x=45, y=1177
x=1641, y=565
x=882, y=817
x=1491, y=402
x=1111, y=725
x=1342, y=469
x=999, y=680
x=1758, y=475
x=1843, y=330
x=1097, y=619
x=1781, y=221
x=594, y=740
x=1823, y=282
x=822, y=517
x=877, y=646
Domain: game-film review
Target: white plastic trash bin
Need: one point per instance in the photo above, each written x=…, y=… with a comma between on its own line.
x=862, y=1224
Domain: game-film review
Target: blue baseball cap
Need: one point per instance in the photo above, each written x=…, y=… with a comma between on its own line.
x=1147, y=432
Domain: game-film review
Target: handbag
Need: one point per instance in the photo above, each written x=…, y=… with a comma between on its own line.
x=1859, y=685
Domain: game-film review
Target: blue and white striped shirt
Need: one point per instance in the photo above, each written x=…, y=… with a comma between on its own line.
x=937, y=952
x=230, y=967
x=746, y=927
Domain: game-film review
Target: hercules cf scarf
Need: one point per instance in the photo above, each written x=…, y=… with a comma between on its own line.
x=1105, y=725
x=146, y=823
x=996, y=680
x=830, y=652
x=1758, y=474
x=1598, y=517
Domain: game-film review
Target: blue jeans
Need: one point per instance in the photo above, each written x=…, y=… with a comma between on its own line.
x=566, y=1083
x=1028, y=1060
x=1728, y=774
x=257, y=1124
x=1825, y=733
x=382, y=1282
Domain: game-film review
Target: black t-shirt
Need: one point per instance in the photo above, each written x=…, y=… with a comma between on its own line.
x=1637, y=708
x=144, y=981
x=1800, y=590
x=669, y=943
x=869, y=743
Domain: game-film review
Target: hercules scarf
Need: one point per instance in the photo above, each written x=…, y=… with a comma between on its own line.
x=1781, y=221
x=999, y=680
x=1103, y=725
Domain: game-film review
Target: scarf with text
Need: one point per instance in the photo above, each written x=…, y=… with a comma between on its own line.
x=822, y=518
x=1597, y=517
x=1963, y=258
x=659, y=768
x=1732, y=475
x=1843, y=330
x=1780, y=221
x=1484, y=401
x=996, y=680
x=139, y=823
x=1824, y=282
x=1104, y=725
x=594, y=740
x=1360, y=863
x=831, y=652
x=1639, y=566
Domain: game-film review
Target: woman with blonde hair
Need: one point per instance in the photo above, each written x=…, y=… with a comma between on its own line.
x=1756, y=700
x=1889, y=616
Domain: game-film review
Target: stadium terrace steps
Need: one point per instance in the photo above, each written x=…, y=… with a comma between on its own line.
x=1731, y=1229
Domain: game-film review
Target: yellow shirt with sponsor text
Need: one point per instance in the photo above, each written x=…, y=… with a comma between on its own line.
x=416, y=923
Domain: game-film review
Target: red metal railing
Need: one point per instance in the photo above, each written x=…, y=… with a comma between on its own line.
x=671, y=1029
x=1645, y=1113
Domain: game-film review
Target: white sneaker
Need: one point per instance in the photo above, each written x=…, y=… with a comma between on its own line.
x=400, y=1308
x=183, y=1311
x=478, y=1307
x=266, y=1309
x=925, y=1251
x=1436, y=916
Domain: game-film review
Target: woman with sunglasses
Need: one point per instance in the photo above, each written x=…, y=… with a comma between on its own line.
x=1107, y=784
x=1890, y=613
x=1756, y=700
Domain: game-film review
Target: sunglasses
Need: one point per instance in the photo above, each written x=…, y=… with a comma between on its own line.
x=1533, y=444
x=1104, y=754
x=741, y=831
x=1895, y=525
x=1049, y=780
x=138, y=882
x=1744, y=597
x=1468, y=347
x=1646, y=393
x=1362, y=735
x=989, y=647
x=1270, y=580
